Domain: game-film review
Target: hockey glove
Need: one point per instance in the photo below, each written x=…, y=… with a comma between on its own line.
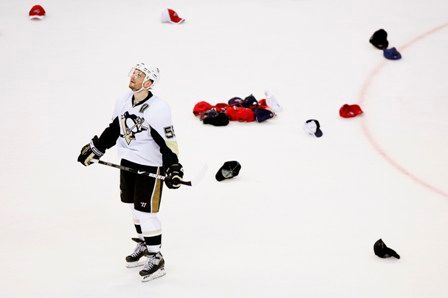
x=89, y=152
x=173, y=175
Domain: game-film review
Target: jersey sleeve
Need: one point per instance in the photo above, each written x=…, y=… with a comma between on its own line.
x=109, y=136
x=162, y=131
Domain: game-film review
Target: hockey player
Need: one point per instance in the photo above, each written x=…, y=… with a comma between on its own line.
x=142, y=129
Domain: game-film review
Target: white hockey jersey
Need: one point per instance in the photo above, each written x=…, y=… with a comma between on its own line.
x=146, y=131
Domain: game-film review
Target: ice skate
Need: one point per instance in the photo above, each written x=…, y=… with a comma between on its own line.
x=154, y=267
x=140, y=251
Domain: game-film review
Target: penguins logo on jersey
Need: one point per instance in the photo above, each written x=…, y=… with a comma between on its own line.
x=131, y=125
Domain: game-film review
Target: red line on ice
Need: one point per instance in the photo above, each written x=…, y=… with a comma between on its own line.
x=362, y=99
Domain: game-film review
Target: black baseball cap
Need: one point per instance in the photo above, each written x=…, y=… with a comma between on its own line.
x=228, y=170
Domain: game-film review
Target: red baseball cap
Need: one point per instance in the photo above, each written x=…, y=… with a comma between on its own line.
x=245, y=115
x=262, y=104
x=37, y=12
x=221, y=107
x=240, y=114
x=350, y=111
x=170, y=16
x=201, y=107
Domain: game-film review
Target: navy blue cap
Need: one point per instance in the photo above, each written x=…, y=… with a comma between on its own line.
x=391, y=54
x=250, y=101
x=235, y=101
x=262, y=115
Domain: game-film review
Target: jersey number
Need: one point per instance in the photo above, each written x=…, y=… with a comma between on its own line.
x=169, y=132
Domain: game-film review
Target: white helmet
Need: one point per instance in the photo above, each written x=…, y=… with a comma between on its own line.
x=151, y=73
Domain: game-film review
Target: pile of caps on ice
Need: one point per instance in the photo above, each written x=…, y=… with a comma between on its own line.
x=248, y=109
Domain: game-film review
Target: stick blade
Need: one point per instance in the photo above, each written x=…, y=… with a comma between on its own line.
x=199, y=175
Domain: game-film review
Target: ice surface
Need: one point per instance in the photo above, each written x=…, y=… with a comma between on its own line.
x=301, y=218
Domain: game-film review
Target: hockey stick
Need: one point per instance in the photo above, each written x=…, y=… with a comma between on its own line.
x=160, y=177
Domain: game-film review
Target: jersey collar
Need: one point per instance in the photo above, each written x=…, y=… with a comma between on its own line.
x=144, y=100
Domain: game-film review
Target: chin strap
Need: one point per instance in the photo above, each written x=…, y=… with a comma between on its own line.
x=142, y=88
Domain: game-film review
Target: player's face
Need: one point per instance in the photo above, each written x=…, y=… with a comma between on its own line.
x=136, y=80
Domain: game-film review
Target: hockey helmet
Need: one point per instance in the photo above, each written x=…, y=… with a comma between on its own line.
x=151, y=73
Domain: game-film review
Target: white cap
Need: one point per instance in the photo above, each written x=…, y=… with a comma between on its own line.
x=312, y=127
x=272, y=102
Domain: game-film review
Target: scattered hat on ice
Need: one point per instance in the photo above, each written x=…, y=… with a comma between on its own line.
x=215, y=118
x=250, y=102
x=391, y=54
x=37, y=12
x=263, y=114
x=312, y=127
x=382, y=251
x=228, y=170
x=263, y=104
x=379, y=39
x=349, y=111
x=221, y=107
x=235, y=101
x=240, y=114
x=170, y=16
x=201, y=107
x=272, y=102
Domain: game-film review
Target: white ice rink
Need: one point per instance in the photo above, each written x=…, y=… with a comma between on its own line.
x=301, y=218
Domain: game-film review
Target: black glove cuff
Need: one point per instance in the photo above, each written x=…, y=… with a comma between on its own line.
x=175, y=169
x=95, y=150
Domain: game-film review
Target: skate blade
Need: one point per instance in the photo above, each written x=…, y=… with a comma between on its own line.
x=159, y=273
x=134, y=264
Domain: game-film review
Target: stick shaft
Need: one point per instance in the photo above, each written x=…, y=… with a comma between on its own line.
x=128, y=169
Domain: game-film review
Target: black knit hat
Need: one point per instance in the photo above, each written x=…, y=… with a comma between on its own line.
x=379, y=39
